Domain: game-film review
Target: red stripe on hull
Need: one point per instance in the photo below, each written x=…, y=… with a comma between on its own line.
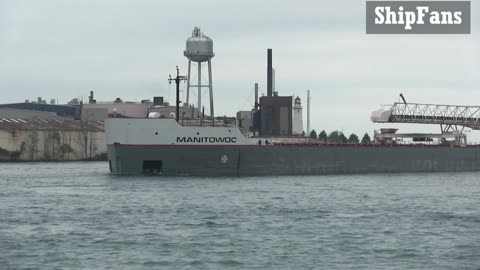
x=295, y=145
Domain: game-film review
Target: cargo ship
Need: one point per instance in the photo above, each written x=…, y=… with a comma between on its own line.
x=272, y=143
x=163, y=146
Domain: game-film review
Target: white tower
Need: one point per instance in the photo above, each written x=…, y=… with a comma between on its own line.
x=199, y=49
x=297, y=118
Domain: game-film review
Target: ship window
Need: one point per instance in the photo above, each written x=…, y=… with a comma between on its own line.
x=156, y=133
x=152, y=166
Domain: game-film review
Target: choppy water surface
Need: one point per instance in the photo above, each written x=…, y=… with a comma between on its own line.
x=77, y=216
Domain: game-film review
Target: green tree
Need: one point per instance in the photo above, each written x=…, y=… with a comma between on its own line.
x=337, y=137
x=323, y=136
x=366, y=139
x=333, y=137
x=74, y=101
x=353, y=138
x=313, y=134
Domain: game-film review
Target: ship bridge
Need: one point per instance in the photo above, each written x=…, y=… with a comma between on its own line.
x=449, y=117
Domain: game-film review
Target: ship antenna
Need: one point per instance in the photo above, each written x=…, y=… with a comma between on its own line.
x=177, y=80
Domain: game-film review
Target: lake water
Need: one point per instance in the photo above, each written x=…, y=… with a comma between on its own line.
x=77, y=216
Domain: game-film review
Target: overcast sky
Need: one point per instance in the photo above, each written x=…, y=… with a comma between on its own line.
x=64, y=48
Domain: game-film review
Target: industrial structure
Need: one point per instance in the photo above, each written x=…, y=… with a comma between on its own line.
x=100, y=110
x=245, y=122
x=274, y=115
x=199, y=49
x=71, y=111
x=452, y=119
x=448, y=116
x=31, y=114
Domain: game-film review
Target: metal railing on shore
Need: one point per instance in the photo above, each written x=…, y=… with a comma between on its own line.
x=206, y=123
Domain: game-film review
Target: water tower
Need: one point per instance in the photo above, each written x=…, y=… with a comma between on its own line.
x=200, y=49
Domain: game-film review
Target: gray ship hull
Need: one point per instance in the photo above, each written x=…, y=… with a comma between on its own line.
x=288, y=159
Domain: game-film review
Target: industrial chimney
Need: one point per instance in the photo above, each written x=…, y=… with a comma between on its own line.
x=269, y=73
x=256, y=97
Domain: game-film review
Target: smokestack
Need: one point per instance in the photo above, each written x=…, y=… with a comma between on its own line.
x=269, y=73
x=256, y=97
x=90, y=98
x=273, y=81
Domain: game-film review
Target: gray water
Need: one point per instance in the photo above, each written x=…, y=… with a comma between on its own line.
x=77, y=216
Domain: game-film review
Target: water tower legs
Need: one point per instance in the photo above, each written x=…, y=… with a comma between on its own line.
x=200, y=86
x=210, y=85
x=199, y=106
x=188, y=81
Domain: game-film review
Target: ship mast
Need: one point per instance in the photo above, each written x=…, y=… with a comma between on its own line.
x=177, y=80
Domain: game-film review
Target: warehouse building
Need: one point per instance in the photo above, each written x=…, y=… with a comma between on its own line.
x=60, y=110
x=52, y=139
